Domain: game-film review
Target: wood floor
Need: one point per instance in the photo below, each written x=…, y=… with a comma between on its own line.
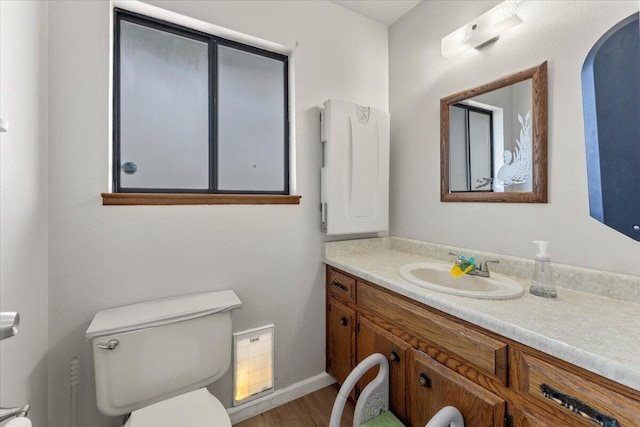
x=312, y=410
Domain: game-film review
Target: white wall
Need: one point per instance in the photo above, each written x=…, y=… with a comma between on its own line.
x=561, y=32
x=103, y=257
x=23, y=204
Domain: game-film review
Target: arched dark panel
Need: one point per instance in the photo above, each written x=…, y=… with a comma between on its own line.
x=611, y=101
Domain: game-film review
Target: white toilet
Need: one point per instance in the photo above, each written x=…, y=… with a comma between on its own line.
x=154, y=359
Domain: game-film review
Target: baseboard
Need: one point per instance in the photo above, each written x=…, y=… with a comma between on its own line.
x=279, y=397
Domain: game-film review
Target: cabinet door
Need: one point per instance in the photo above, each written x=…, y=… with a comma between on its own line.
x=373, y=339
x=433, y=386
x=341, y=340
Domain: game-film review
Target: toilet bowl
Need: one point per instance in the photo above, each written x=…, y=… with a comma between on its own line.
x=197, y=408
x=154, y=359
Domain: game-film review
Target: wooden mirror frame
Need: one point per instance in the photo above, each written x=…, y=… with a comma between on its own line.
x=538, y=74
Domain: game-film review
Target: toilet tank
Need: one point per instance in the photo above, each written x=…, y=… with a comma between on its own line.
x=148, y=352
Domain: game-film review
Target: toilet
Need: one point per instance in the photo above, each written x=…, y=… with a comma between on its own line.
x=154, y=359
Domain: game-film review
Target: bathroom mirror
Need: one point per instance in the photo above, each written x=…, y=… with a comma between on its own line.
x=493, y=141
x=611, y=105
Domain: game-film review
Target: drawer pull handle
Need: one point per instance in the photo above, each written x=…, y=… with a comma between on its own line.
x=425, y=381
x=393, y=356
x=343, y=321
x=579, y=407
x=339, y=286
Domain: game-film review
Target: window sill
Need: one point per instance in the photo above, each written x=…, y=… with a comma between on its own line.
x=122, y=199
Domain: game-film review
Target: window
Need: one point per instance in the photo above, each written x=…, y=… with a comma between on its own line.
x=195, y=113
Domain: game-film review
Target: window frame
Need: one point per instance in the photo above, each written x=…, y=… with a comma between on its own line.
x=213, y=42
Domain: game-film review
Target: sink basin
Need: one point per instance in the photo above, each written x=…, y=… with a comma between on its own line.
x=438, y=277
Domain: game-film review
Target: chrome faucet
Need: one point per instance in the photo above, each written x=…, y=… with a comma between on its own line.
x=482, y=270
x=18, y=411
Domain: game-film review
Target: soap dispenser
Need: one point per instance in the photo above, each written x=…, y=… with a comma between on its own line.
x=542, y=281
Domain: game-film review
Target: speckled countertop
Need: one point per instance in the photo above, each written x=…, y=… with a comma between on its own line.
x=600, y=334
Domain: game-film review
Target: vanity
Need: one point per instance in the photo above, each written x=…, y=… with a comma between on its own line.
x=524, y=362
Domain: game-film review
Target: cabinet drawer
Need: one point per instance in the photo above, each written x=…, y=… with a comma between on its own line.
x=487, y=354
x=525, y=417
x=561, y=392
x=340, y=285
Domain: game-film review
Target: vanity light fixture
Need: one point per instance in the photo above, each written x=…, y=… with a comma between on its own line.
x=483, y=30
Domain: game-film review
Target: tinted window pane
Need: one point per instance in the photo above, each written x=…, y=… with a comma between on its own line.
x=164, y=109
x=251, y=122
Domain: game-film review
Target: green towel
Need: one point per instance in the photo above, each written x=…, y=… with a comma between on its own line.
x=385, y=419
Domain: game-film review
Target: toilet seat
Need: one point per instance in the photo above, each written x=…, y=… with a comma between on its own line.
x=194, y=409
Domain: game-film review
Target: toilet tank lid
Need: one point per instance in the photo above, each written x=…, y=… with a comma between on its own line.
x=160, y=312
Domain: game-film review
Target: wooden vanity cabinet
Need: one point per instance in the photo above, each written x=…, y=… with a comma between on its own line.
x=444, y=361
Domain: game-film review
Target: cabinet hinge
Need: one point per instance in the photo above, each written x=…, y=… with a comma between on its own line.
x=508, y=421
x=329, y=307
x=358, y=328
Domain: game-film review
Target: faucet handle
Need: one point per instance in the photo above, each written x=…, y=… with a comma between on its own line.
x=483, y=264
x=459, y=258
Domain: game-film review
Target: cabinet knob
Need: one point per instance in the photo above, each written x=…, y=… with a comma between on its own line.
x=393, y=356
x=425, y=381
x=343, y=321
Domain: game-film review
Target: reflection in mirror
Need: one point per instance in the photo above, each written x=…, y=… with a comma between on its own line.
x=471, y=144
x=490, y=141
x=494, y=141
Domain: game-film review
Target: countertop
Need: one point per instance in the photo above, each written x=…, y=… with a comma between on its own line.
x=599, y=334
